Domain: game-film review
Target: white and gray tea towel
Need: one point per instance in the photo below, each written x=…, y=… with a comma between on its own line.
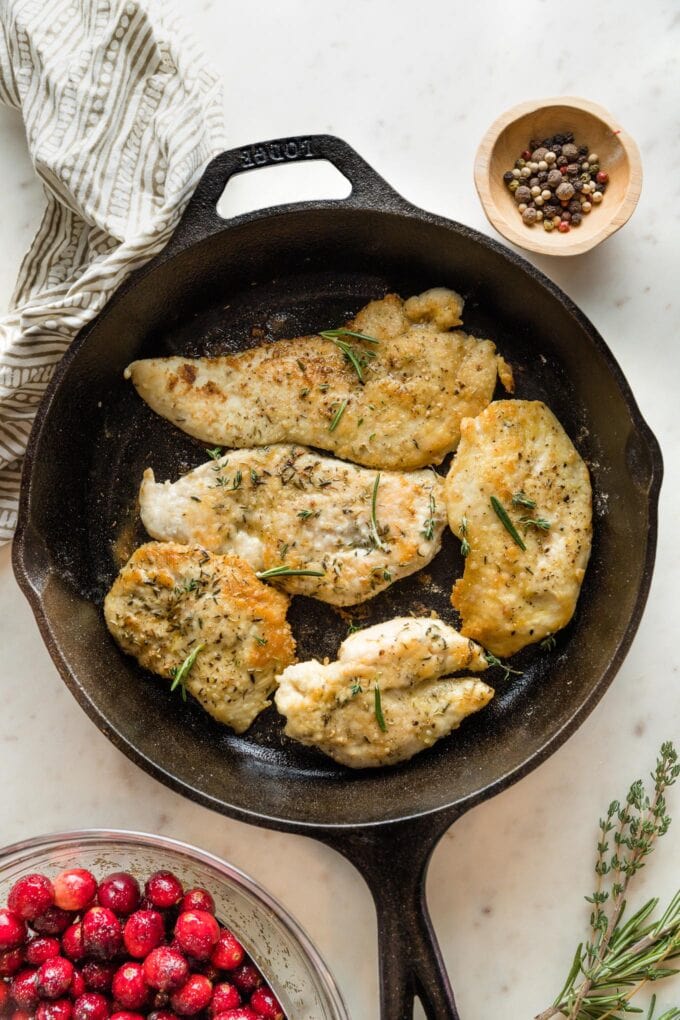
x=121, y=114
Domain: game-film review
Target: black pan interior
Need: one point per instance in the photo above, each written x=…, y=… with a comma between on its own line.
x=279, y=276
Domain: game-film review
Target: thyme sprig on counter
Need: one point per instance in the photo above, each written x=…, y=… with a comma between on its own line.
x=180, y=673
x=622, y=955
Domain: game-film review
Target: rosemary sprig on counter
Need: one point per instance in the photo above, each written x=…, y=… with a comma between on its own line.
x=180, y=673
x=622, y=955
x=502, y=515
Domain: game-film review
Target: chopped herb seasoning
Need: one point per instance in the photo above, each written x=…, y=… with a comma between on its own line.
x=180, y=673
x=502, y=515
x=377, y=700
x=301, y=366
x=428, y=527
x=355, y=689
x=195, y=499
x=337, y=416
x=238, y=478
x=464, y=544
x=260, y=640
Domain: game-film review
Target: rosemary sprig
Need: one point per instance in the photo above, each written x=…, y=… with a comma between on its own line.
x=621, y=956
x=180, y=673
x=502, y=515
x=464, y=544
x=375, y=534
x=493, y=661
x=288, y=572
x=429, y=522
x=535, y=522
x=377, y=703
x=521, y=499
x=357, y=357
x=337, y=416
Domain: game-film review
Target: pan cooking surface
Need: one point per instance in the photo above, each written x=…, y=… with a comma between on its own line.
x=285, y=276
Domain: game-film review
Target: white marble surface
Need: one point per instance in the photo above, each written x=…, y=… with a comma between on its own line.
x=413, y=88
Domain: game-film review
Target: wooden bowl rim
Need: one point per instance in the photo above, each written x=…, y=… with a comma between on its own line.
x=526, y=239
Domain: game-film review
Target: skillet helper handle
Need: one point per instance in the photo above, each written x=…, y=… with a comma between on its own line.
x=393, y=860
x=201, y=219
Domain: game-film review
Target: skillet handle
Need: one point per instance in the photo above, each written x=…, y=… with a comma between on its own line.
x=201, y=219
x=393, y=860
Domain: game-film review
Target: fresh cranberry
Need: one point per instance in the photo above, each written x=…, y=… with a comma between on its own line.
x=197, y=933
x=24, y=990
x=193, y=997
x=165, y=969
x=143, y=932
x=102, y=933
x=120, y=893
x=228, y=952
x=11, y=960
x=197, y=899
x=225, y=996
x=90, y=1006
x=77, y=986
x=72, y=942
x=31, y=896
x=54, y=978
x=12, y=929
x=43, y=948
x=246, y=978
x=129, y=987
x=98, y=976
x=53, y=921
x=74, y=889
x=163, y=889
x=123, y=1014
x=4, y=997
x=266, y=1005
x=242, y=1013
x=62, y=1009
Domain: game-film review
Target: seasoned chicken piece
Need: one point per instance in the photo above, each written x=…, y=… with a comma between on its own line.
x=517, y=456
x=287, y=507
x=206, y=621
x=393, y=401
x=385, y=698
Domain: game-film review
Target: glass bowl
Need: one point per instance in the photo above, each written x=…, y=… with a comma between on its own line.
x=275, y=941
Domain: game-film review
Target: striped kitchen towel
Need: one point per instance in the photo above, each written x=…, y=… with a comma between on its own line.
x=121, y=114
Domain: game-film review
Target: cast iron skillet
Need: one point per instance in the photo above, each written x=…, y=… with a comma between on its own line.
x=222, y=286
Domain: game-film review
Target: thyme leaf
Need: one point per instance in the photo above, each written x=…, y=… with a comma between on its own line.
x=337, y=416
x=355, y=689
x=521, y=499
x=377, y=703
x=548, y=643
x=502, y=515
x=263, y=575
x=375, y=534
x=215, y=453
x=180, y=673
x=464, y=544
x=535, y=522
x=428, y=525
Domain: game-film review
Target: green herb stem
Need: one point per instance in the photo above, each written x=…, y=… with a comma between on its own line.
x=180, y=673
x=375, y=534
x=337, y=416
x=264, y=575
x=377, y=702
x=502, y=515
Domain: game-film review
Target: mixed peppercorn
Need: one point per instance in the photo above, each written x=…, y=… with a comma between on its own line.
x=108, y=951
x=556, y=182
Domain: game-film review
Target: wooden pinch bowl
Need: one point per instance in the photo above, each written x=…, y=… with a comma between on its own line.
x=593, y=126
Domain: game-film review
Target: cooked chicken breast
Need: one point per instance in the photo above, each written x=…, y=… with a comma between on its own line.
x=418, y=380
x=385, y=698
x=284, y=506
x=517, y=454
x=171, y=602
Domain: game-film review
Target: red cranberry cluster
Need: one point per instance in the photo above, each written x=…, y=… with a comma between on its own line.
x=72, y=949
